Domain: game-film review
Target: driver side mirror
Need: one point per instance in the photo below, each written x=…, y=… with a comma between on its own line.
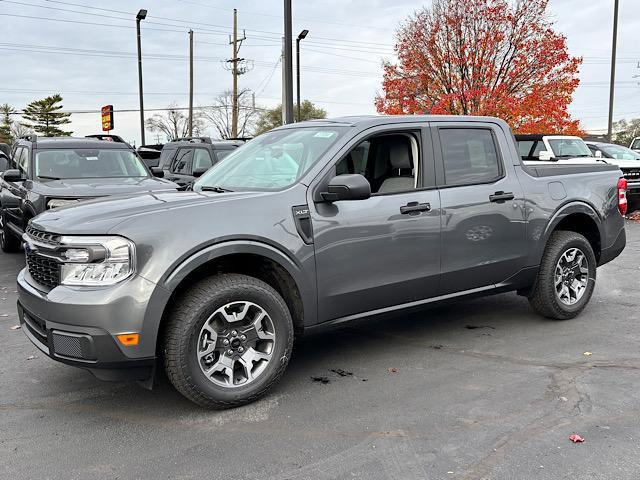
x=347, y=187
x=13, y=175
x=4, y=162
x=199, y=171
x=157, y=172
x=545, y=155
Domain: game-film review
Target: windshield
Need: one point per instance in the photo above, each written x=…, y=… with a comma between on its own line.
x=88, y=163
x=636, y=144
x=569, y=147
x=620, y=153
x=272, y=161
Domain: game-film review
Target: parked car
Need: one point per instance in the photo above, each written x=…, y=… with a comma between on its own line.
x=313, y=224
x=629, y=162
x=563, y=149
x=635, y=144
x=150, y=155
x=186, y=159
x=46, y=173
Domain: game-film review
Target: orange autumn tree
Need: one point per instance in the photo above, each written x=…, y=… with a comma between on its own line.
x=483, y=57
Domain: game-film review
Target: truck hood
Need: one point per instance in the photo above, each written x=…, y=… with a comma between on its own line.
x=101, y=216
x=100, y=187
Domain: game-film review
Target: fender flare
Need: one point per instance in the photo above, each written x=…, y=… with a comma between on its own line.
x=564, y=211
x=186, y=265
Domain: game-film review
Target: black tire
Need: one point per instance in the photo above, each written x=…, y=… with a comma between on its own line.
x=543, y=297
x=185, y=321
x=9, y=242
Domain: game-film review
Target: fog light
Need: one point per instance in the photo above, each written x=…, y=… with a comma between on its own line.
x=129, y=339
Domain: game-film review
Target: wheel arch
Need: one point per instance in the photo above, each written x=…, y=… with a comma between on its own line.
x=581, y=218
x=252, y=258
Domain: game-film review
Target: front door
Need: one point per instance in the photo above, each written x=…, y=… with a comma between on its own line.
x=483, y=225
x=180, y=168
x=383, y=251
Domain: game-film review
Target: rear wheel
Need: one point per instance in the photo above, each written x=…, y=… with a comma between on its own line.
x=227, y=341
x=9, y=242
x=566, y=278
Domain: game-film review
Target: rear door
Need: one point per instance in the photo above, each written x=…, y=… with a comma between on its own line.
x=483, y=224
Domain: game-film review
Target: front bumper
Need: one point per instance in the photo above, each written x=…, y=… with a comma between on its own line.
x=78, y=326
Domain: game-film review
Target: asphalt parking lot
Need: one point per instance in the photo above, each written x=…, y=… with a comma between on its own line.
x=483, y=389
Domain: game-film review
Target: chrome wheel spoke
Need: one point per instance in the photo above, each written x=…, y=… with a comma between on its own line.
x=571, y=276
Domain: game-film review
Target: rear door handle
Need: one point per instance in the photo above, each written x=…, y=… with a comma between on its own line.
x=501, y=196
x=415, y=207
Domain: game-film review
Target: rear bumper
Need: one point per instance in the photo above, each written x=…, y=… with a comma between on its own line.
x=615, y=249
x=82, y=334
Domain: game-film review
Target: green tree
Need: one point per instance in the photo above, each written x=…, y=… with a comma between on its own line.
x=624, y=132
x=46, y=118
x=6, y=122
x=272, y=118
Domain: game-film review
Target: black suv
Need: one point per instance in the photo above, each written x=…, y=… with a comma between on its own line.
x=45, y=173
x=185, y=159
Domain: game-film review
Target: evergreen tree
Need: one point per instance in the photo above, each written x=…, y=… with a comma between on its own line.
x=6, y=123
x=46, y=118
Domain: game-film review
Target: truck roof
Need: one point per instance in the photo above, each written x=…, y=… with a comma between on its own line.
x=374, y=120
x=77, y=142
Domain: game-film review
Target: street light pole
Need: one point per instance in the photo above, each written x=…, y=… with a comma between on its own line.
x=613, y=70
x=142, y=14
x=302, y=36
x=288, y=70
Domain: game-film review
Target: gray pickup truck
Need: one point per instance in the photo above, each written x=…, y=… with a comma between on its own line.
x=311, y=225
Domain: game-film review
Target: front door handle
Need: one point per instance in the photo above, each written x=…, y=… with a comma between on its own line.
x=415, y=207
x=501, y=196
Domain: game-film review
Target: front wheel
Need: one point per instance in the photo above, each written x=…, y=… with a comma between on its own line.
x=228, y=341
x=9, y=242
x=566, y=278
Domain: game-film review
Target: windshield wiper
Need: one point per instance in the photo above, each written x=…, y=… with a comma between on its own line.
x=49, y=177
x=207, y=188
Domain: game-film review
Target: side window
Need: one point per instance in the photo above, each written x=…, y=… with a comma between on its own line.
x=202, y=159
x=470, y=156
x=389, y=162
x=220, y=154
x=182, y=162
x=166, y=155
x=22, y=160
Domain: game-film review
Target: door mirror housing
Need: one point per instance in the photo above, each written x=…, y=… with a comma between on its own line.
x=13, y=175
x=157, y=172
x=199, y=171
x=545, y=155
x=347, y=187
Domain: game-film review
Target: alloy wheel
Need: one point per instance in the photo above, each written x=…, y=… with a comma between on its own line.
x=236, y=344
x=571, y=276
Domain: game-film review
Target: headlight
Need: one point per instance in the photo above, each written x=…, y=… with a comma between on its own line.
x=61, y=202
x=94, y=261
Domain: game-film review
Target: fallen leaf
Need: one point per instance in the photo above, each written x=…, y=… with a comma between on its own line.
x=575, y=438
x=15, y=327
x=564, y=399
x=31, y=357
x=393, y=370
x=587, y=354
x=323, y=380
x=4, y=314
x=341, y=372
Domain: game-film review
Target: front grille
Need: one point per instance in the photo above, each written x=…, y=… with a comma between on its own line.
x=44, y=237
x=73, y=345
x=632, y=174
x=36, y=326
x=44, y=270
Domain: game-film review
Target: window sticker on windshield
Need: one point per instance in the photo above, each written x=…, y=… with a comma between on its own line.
x=325, y=134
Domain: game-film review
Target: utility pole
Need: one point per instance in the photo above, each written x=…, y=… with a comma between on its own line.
x=235, y=71
x=288, y=65
x=613, y=70
x=191, y=83
x=142, y=14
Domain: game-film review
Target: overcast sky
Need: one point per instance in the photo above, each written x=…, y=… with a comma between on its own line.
x=44, y=50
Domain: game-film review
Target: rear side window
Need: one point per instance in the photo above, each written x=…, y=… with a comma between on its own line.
x=201, y=159
x=470, y=156
x=182, y=163
x=166, y=155
x=220, y=154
